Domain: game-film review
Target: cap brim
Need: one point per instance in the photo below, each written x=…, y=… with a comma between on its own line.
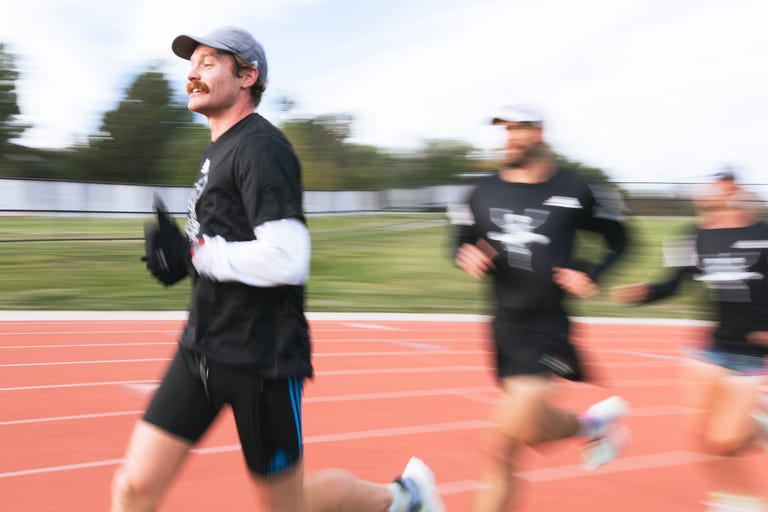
x=501, y=120
x=184, y=45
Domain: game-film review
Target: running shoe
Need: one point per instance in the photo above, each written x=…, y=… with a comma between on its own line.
x=606, y=440
x=599, y=451
x=602, y=416
x=419, y=481
x=724, y=502
x=761, y=417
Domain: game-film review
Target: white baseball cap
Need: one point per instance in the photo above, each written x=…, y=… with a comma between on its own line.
x=518, y=114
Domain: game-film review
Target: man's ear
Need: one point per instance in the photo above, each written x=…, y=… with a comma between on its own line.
x=250, y=77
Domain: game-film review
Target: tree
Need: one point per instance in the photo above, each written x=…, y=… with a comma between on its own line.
x=180, y=162
x=590, y=173
x=9, y=108
x=446, y=160
x=320, y=145
x=133, y=137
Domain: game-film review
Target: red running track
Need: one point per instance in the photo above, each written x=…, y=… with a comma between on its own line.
x=387, y=387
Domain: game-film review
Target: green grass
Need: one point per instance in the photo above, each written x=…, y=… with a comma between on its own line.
x=387, y=263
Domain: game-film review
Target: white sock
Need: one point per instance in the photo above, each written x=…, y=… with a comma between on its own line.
x=401, y=498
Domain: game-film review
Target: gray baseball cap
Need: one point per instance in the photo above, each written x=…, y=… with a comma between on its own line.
x=229, y=39
x=517, y=114
x=726, y=172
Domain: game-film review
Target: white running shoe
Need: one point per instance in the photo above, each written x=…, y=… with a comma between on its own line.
x=603, y=415
x=606, y=440
x=761, y=417
x=419, y=478
x=599, y=451
x=723, y=502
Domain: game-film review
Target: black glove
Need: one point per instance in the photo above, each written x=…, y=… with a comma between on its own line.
x=167, y=249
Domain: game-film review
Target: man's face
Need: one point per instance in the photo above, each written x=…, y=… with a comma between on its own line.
x=726, y=185
x=524, y=141
x=212, y=85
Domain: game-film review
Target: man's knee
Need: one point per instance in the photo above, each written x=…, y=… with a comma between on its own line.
x=132, y=494
x=723, y=444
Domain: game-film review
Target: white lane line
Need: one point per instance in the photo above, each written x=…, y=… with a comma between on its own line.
x=328, y=355
x=15, y=316
x=651, y=411
x=484, y=395
x=71, y=418
x=80, y=385
x=103, y=361
x=327, y=438
x=446, y=352
x=80, y=345
x=421, y=369
x=649, y=355
x=598, y=383
x=620, y=465
x=101, y=331
x=401, y=431
x=57, y=469
x=418, y=345
x=372, y=326
x=398, y=394
x=568, y=471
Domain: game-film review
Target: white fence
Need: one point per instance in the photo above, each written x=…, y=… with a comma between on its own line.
x=38, y=197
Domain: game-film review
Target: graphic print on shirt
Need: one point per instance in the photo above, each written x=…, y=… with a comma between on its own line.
x=193, y=225
x=518, y=233
x=726, y=275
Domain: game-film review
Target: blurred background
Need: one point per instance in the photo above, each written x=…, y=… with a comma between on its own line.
x=387, y=105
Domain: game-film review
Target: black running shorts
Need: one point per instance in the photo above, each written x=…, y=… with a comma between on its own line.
x=267, y=411
x=535, y=343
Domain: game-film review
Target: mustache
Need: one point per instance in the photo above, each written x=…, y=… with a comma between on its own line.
x=195, y=84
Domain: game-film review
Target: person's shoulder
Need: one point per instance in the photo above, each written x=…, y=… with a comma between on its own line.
x=260, y=137
x=573, y=184
x=476, y=181
x=564, y=177
x=259, y=128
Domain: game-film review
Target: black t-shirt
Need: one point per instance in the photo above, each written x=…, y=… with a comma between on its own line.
x=532, y=227
x=733, y=265
x=249, y=176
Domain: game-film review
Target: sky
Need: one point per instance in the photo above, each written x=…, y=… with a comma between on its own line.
x=647, y=90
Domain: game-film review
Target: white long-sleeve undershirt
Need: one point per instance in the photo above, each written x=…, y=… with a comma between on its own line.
x=279, y=256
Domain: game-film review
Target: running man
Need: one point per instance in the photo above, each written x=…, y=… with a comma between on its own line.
x=519, y=228
x=246, y=343
x=727, y=251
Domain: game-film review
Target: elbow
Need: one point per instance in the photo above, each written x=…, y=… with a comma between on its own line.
x=294, y=268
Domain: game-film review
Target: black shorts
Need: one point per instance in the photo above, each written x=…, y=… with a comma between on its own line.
x=535, y=343
x=267, y=411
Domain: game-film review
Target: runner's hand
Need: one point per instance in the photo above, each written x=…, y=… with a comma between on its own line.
x=166, y=248
x=758, y=337
x=475, y=260
x=574, y=282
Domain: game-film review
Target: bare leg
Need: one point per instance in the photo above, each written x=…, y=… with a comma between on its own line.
x=152, y=460
x=723, y=404
x=523, y=416
x=334, y=490
x=725, y=427
x=329, y=490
